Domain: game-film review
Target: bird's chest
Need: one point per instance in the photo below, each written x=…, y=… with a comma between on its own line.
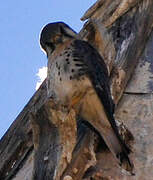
x=62, y=84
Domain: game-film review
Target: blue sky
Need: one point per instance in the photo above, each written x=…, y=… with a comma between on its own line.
x=20, y=54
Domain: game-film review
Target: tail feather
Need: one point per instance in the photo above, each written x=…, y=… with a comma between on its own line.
x=125, y=162
x=123, y=155
x=118, y=148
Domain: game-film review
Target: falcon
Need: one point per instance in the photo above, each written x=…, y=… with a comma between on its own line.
x=77, y=78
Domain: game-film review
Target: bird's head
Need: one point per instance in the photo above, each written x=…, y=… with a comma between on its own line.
x=54, y=34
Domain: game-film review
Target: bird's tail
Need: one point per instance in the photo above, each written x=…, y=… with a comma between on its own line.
x=123, y=152
x=125, y=162
x=119, y=149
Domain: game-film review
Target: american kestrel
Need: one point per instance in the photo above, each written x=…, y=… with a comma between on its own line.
x=77, y=78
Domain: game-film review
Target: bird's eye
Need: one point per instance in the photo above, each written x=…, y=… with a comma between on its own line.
x=57, y=38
